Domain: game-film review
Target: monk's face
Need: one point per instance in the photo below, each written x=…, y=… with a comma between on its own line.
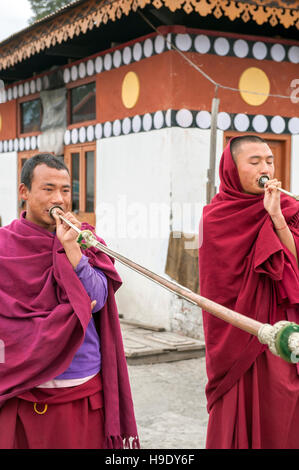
x=50, y=187
x=254, y=160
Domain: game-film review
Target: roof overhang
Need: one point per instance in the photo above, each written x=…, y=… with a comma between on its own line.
x=88, y=26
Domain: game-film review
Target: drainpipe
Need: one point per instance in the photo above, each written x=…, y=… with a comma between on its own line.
x=211, y=188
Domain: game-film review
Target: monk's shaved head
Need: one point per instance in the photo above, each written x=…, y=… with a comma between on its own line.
x=237, y=143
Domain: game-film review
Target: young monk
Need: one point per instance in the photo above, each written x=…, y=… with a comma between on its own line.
x=64, y=380
x=249, y=263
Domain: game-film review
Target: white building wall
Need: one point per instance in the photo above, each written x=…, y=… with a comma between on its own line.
x=149, y=184
x=8, y=187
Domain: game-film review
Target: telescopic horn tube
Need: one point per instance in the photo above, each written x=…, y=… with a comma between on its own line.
x=282, y=338
x=263, y=179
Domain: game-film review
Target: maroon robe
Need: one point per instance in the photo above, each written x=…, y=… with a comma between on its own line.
x=253, y=396
x=44, y=312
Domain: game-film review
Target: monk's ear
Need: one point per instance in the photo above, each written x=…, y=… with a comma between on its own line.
x=23, y=191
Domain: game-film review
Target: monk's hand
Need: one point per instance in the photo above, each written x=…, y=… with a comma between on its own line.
x=68, y=236
x=272, y=198
x=93, y=304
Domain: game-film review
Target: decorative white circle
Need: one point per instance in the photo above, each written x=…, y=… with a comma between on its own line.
x=158, y=120
x=203, y=119
x=38, y=84
x=116, y=128
x=99, y=64
x=277, y=52
x=136, y=123
x=15, y=92
x=33, y=143
x=241, y=48
x=3, y=96
x=168, y=118
x=107, y=129
x=184, y=118
x=5, y=146
x=183, y=42
x=116, y=58
x=277, y=124
x=82, y=70
x=21, y=144
x=169, y=41
x=27, y=143
x=67, y=137
x=223, y=121
x=241, y=122
x=10, y=145
x=9, y=94
x=127, y=55
x=16, y=145
x=38, y=140
x=107, y=61
x=259, y=50
x=126, y=126
x=74, y=135
x=74, y=73
x=221, y=46
x=202, y=44
x=148, y=47
x=293, y=125
x=90, y=67
x=82, y=134
x=66, y=75
x=26, y=88
x=21, y=90
x=46, y=81
x=90, y=133
x=32, y=86
x=137, y=51
x=147, y=122
x=98, y=131
x=260, y=123
x=1, y=146
x=293, y=54
x=159, y=44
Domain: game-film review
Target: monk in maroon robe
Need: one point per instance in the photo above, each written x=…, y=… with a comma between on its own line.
x=249, y=263
x=63, y=375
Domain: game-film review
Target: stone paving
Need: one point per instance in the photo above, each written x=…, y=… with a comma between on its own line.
x=170, y=404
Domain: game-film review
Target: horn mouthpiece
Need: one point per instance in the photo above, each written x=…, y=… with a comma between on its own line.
x=263, y=180
x=52, y=209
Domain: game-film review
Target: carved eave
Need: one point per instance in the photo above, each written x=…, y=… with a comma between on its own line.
x=83, y=16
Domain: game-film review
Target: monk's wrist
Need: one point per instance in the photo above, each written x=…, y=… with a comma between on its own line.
x=278, y=221
x=73, y=252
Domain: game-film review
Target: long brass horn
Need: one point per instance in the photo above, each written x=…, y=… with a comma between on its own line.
x=282, y=338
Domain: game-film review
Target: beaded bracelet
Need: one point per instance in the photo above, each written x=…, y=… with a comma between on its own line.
x=281, y=228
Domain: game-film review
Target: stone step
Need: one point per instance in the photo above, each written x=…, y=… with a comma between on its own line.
x=146, y=344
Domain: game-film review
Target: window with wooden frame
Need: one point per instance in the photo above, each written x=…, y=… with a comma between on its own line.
x=82, y=103
x=81, y=162
x=30, y=113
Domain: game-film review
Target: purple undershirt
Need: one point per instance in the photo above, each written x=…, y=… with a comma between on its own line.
x=87, y=360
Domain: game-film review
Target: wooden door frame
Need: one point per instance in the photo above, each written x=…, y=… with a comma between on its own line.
x=285, y=138
x=82, y=149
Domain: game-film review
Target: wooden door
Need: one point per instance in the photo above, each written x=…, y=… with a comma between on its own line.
x=81, y=162
x=281, y=149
